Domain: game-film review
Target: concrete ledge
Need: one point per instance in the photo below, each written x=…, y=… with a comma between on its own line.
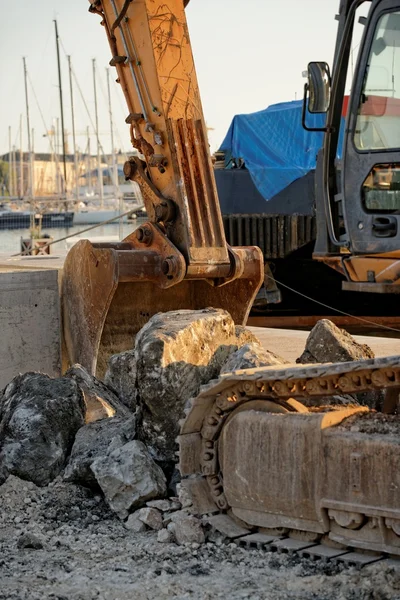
x=30, y=323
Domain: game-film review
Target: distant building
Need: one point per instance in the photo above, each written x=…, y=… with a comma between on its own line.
x=48, y=172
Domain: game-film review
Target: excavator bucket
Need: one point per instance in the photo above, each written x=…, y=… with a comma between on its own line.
x=180, y=258
x=109, y=293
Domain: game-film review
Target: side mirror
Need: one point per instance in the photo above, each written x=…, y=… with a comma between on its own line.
x=319, y=87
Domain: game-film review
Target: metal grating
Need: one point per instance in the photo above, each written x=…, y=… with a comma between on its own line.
x=276, y=235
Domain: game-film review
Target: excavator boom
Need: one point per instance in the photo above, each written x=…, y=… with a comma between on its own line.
x=179, y=258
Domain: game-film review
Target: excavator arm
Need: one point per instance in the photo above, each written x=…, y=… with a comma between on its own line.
x=179, y=258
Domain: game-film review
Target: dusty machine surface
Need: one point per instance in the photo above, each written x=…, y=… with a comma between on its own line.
x=180, y=258
x=262, y=463
x=252, y=454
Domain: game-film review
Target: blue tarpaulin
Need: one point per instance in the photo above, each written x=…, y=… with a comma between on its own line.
x=274, y=146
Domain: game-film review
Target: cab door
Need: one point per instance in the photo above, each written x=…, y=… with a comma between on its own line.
x=371, y=153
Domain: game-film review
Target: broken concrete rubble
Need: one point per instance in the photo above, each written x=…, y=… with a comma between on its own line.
x=163, y=505
x=251, y=356
x=30, y=540
x=129, y=477
x=186, y=528
x=121, y=376
x=245, y=336
x=156, y=515
x=133, y=523
x=39, y=417
x=93, y=441
x=101, y=402
x=164, y=536
x=328, y=343
x=76, y=535
x=150, y=517
x=176, y=353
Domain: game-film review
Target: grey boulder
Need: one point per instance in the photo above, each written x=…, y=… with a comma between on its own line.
x=177, y=352
x=129, y=477
x=328, y=343
x=39, y=417
x=186, y=528
x=133, y=523
x=121, y=376
x=251, y=356
x=100, y=400
x=93, y=441
x=150, y=517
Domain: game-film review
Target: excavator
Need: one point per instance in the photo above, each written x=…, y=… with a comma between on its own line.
x=260, y=451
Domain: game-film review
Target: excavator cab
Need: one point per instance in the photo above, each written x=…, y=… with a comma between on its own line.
x=179, y=259
x=358, y=195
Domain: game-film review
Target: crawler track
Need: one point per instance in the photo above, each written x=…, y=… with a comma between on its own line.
x=268, y=471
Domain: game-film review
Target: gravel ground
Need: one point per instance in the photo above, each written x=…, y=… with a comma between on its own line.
x=83, y=552
x=373, y=423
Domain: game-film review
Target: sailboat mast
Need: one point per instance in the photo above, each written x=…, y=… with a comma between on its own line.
x=89, y=162
x=73, y=129
x=28, y=127
x=33, y=143
x=61, y=108
x=57, y=156
x=14, y=170
x=114, y=163
x=21, y=161
x=99, y=168
x=10, y=178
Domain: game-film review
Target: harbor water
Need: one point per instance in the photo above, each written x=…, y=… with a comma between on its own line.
x=10, y=239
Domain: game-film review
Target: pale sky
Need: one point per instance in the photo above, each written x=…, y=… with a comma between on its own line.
x=248, y=54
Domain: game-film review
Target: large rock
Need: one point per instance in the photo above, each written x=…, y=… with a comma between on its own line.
x=129, y=477
x=251, y=356
x=245, y=336
x=121, y=376
x=39, y=417
x=101, y=402
x=150, y=517
x=186, y=528
x=93, y=441
x=328, y=343
x=133, y=523
x=176, y=353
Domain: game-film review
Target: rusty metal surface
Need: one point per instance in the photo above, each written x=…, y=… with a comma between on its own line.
x=257, y=464
x=90, y=278
x=109, y=294
x=179, y=259
x=371, y=269
x=166, y=122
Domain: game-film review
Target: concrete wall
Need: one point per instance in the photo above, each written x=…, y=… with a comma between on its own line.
x=30, y=323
